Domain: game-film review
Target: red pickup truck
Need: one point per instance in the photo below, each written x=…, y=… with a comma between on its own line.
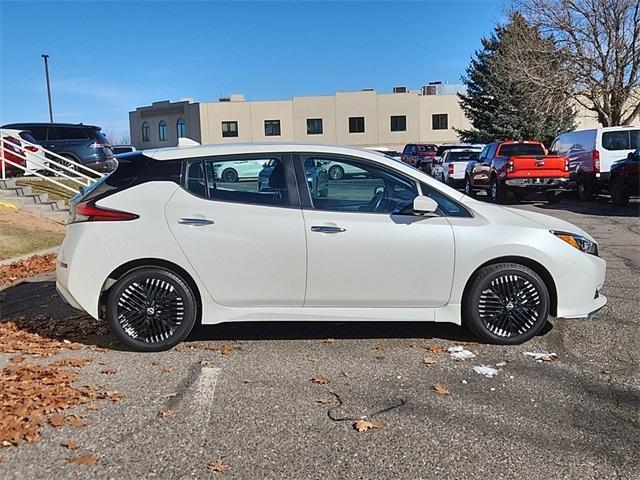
x=519, y=168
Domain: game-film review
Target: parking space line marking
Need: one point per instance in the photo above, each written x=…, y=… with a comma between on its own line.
x=206, y=386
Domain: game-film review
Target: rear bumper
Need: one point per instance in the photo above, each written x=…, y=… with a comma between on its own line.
x=103, y=166
x=537, y=183
x=67, y=297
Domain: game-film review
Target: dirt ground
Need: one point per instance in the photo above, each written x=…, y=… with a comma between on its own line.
x=22, y=232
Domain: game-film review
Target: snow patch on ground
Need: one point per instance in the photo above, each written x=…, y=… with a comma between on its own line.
x=541, y=356
x=460, y=353
x=486, y=370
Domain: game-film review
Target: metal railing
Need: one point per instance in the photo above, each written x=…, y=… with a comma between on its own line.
x=44, y=161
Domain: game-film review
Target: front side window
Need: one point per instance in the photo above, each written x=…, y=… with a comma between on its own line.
x=398, y=123
x=163, y=134
x=145, y=132
x=356, y=124
x=447, y=206
x=229, y=129
x=440, y=121
x=314, y=126
x=251, y=180
x=181, y=128
x=359, y=186
x=272, y=128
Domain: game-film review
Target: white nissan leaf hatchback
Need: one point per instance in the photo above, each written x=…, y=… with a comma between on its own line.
x=166, y=241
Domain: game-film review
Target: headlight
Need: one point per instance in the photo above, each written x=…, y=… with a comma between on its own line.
x=578, y=241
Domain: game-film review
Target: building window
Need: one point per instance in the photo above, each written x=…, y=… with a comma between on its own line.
x=272, y=128
x=162, y=131
x=229, y=129
x=356, y=124
x=398, y=123
x=145, y=132
x=314, y=126
x=440, y=121
x=181, y=128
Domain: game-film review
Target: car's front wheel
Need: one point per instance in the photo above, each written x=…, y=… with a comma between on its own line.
x=619, y=193
x=468, y=189
x=151, y=309
x=506, y=303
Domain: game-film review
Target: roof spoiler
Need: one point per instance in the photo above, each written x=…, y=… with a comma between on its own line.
x=187, y=142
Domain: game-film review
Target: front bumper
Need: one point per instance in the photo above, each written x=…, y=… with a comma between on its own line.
x=597, y=305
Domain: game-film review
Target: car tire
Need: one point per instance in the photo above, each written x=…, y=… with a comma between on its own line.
x=506, y=304
x=619, y=192
x=585, y=188
x=336, y=172
x=468, y=190
x=552, y=196
x=324, y=192
x=497, y=193
x=230, y=175
x=151, y=309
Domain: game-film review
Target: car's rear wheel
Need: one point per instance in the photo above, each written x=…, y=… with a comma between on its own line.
x=497, y=192
x=230, y=175
x=151, y=309
x=336, y=172
x=585, y=187
x=619, y=192
x=506, y=303
x=552, y=196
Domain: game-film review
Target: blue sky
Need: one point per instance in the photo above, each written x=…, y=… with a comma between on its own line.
x=108, y=57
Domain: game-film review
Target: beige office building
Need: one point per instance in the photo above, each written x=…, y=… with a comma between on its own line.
x=362, y=118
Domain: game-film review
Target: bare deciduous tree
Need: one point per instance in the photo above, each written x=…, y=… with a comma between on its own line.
x=601, y=41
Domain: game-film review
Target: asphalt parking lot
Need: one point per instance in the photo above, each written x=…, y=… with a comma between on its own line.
x=243, y=394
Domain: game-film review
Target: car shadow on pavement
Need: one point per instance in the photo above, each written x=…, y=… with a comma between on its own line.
x=600, y=206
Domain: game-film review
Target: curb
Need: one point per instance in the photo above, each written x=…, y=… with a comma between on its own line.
x=28, y=255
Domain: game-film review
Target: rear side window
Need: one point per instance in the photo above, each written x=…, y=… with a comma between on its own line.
x=39, y=133
x=621, y=140
x=28, y=137
x=67, y=133
x=251, y=180
x=511, y=149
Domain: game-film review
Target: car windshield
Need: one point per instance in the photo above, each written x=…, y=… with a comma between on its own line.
x=463, y=156
x=511, y=149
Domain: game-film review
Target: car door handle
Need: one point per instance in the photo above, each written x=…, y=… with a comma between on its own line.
x=327, y=229
x=195, y=221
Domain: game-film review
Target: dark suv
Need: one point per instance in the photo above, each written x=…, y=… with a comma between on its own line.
x=84, y=144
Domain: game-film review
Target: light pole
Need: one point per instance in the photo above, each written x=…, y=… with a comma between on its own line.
x=46, y=72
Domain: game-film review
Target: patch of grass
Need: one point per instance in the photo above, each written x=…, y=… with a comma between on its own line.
x=15, y=240
x=55, y=192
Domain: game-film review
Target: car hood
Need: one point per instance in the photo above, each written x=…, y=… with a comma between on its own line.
x=547, y=221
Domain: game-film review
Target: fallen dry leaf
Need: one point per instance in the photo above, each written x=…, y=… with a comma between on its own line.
x=113, y=395
x=440, y=389
x=329, y=340
x=71, y=445
x=35, y=265
x=435, y=348
x=56, y=420
x=320, y=380
x=71, y=362
x=380, y=347
x=168, y=369
x=84, y=460
x=218, y=466
x=165, y=413
x=364, y=425
x=414, y=345
x=108, y=371
x=17, y=358
x=76, y=420
x=324, y=401
x=428, y=361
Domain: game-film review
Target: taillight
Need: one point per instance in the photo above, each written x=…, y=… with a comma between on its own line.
x=31, y=148
x=596, y=161
x=90, y=212
x=451, y=169
x=510, y=166
x=566, y=164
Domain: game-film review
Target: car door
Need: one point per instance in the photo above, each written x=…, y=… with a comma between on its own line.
x=246, y=244
x=365, y=248
x=482, y=168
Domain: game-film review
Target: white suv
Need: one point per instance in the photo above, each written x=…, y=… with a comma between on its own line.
x=162, y=243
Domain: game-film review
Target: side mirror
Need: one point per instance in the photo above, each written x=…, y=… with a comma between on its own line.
x=631, y=156
x=424, y=204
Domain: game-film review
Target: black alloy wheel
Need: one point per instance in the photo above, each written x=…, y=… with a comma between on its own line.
x=151, y=309
x=506, y=304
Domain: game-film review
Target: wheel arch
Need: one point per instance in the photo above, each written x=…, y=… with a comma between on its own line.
x=537, y=267
x=149, y=262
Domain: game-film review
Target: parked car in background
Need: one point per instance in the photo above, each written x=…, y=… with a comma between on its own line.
x=451, y=168
x=389, y=152
x=419, y=155
x=13, y=152
x=237, y=171
x=449, y=146
x=19, y=144
x=591, y=153
x=315, y=171
x=174, y=251
x=624, y=178
x=338, y=171
x=519, y=168
x=84, y=144
x=118, y=149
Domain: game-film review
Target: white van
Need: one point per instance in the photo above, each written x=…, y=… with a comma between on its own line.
x=591, y=153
